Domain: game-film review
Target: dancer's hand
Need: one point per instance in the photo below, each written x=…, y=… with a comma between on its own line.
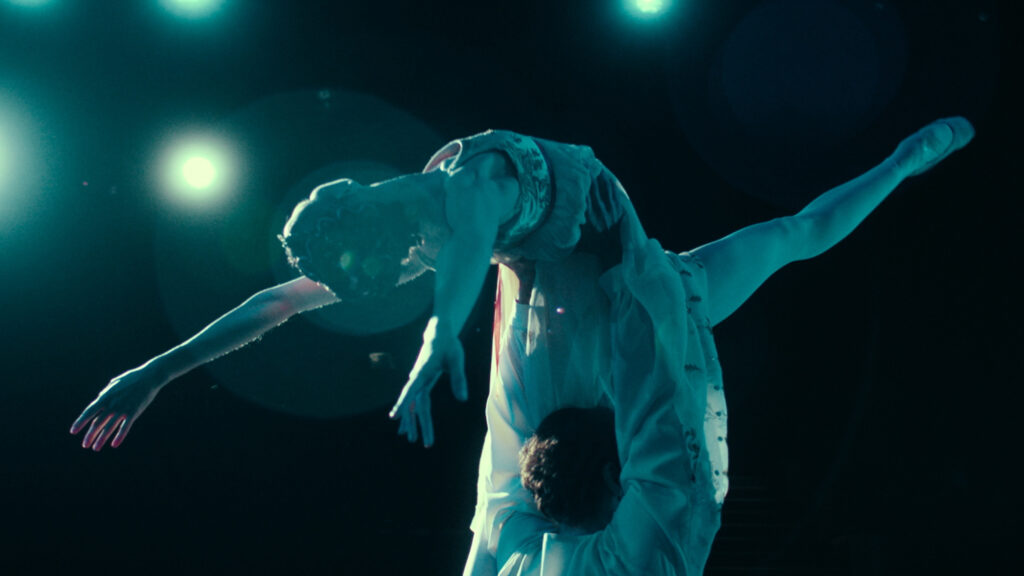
x=117, y=407
x=441, y=352
x=925, y=148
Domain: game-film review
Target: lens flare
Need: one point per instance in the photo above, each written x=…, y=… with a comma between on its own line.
x=198, y=171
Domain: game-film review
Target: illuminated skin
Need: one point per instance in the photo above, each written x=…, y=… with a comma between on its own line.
x=479, y=197
x=734, y=266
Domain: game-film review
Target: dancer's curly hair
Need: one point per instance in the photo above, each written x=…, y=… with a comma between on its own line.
x=344, y=240
x=562, y=463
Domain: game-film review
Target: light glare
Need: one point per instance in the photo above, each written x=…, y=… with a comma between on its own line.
x=650, y=6
x=647, y=8
x=13, y=158
x=198, y=171
x=192, y=8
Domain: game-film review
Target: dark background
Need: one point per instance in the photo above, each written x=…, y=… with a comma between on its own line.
x=874, y=392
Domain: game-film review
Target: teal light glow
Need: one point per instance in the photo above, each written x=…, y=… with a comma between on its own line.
x=198, y=171
x=18, y=156
x=5, y=159
x=192, y=8
x=650, y=6
x=647, y=8
x=31, y=3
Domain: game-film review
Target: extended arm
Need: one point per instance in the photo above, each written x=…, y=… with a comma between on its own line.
x=118, y=405
x=739, y=263
x=475, y=206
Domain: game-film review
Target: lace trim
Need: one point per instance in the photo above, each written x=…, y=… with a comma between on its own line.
x=535, y=192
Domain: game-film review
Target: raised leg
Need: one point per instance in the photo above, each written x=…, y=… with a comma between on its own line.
x=739, y=263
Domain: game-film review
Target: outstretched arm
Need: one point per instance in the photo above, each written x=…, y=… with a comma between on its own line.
x=118, y=405
x=475, y=204
x=739, y=263
x=461, y=268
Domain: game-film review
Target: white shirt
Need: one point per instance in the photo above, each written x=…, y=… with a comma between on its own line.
x=670, y=510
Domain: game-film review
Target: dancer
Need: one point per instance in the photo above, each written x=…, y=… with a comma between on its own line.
x=512, y=199
x=572, y=314
x=659, y=515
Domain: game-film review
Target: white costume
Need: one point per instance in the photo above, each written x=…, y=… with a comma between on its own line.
x=596, y=274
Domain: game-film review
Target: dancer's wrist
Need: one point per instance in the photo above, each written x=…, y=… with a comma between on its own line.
x=166, y=367
x=438, y=328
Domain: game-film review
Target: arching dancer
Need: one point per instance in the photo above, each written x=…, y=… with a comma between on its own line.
x=552, y=212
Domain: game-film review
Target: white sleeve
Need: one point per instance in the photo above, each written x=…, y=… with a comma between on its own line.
x=508, y=425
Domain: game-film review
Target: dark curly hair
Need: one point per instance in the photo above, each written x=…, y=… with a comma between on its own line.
x=562, y=464
x=344, y=239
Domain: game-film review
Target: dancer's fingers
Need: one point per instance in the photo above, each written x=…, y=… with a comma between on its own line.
x=102, y=438
x=396, y=409
x=411, y=433
x=83, y=419
x=94, y=429
x=405, y=422
x=88, y=433
x=404, y=398
x=426, y=422
x=125, y=427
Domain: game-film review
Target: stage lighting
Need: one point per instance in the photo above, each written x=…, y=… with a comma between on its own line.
x=647, y=8
x=192, y=8
x=198, y=171
x=22, y=158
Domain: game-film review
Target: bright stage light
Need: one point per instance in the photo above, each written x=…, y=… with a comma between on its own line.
x=198, y=171
x=192, y=8
x=647, y=8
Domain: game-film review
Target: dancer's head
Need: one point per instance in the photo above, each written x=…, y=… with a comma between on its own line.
x=356, y=239
x=571, y=466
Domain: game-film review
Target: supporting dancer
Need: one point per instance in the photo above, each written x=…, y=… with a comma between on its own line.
x=506, y=198
x=656, y=514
